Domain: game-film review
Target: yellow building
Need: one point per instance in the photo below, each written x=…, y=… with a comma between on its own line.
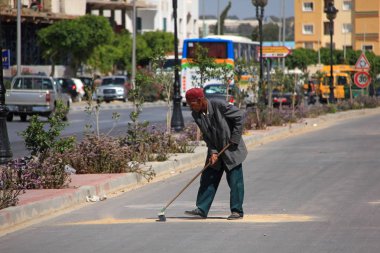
x=357, y=24
x=366, y=27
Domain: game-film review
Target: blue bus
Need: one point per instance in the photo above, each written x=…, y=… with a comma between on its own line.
x=224, y=49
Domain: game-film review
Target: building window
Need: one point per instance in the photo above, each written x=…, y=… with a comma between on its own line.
x=309, y=45
x=164, y=22
x=347, y=5
x=367, y=48
x=138, y=24
x=308, y=29
x=347, y=28
x=347, y=47
x=308, y=6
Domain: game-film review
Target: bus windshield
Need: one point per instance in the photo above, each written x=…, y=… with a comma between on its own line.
x=216, y=50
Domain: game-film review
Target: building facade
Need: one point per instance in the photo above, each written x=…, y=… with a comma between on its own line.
x=151, y=15
x=312, y=28
x=357, y=25
x=366, y=25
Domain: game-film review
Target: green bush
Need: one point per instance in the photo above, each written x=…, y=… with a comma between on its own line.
x=40, y=138
x=332, y=108
x=105, y=154
x=149, y=90
x=48, y=171
x=99, y=154
x=367, y=101
x=9, y=186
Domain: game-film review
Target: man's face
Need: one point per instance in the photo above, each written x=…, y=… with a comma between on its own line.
x=195, y=104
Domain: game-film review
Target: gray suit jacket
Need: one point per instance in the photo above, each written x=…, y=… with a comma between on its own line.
x=222, y=124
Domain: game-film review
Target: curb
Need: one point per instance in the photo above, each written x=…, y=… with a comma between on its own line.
x=12, y=217
x=81, y=106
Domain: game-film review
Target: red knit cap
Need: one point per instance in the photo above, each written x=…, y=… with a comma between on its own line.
x=194, y=94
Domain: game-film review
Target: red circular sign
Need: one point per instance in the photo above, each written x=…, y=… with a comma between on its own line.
x=362, y=79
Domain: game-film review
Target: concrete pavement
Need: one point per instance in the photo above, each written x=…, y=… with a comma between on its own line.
x=36, y=205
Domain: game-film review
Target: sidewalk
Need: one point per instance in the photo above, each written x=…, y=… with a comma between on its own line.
x=39, y=204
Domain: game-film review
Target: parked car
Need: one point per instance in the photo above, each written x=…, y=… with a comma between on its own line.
x=284, y=98
x=89, y=87
x=219, y=91
x=113, y=88
x=34, y=95
x=72, y=86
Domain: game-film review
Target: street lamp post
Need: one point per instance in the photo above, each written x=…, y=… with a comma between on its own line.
x=5, y=148
x=331, y=12
x=260, y=4
x=177, y=118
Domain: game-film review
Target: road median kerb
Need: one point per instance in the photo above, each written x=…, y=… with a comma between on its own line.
x=23, y=214
x=81, y=106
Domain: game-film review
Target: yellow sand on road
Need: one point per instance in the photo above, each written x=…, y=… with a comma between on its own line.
x=258, y=218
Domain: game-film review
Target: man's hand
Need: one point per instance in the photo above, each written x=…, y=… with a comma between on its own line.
x=213, y=159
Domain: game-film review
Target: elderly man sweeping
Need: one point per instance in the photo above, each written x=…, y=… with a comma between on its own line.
x=221, y=124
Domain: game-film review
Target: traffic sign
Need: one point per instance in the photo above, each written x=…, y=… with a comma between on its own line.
x=362, y=79
x=362, y=63
x=275, y=52
x=6, y=58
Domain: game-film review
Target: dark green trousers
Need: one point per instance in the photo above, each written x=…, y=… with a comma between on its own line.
x=210, y=180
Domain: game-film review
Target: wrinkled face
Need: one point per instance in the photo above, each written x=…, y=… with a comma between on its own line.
x=195, y=104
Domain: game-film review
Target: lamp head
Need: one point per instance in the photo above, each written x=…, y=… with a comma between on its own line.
x=331, y=11
x=259, y=3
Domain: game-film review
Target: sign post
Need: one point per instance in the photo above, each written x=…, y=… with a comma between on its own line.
x=275, y=52
x=362, y=63
x=6, y=58
x=362, y=79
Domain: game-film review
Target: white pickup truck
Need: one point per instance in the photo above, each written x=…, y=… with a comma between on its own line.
x=34, y=95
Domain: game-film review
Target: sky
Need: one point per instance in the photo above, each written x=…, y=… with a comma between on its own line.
x=245, y=9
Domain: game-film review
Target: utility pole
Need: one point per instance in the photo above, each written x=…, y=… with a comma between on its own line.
x=177, y=118
x=218, y=18
x=283, y=31
x=204, y=34
x=133, y=77
x=5, y=148
x=18, y=37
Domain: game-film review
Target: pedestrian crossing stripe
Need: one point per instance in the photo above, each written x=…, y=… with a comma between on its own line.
x=258, y=218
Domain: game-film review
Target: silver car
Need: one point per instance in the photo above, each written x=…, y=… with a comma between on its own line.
x=113, y=88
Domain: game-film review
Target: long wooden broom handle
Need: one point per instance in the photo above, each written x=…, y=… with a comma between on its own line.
x=197, y=175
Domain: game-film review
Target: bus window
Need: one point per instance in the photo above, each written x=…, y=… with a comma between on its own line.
x=216, y=50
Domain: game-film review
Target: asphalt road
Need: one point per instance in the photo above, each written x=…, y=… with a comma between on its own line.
x=313, y=193
x=78, y=119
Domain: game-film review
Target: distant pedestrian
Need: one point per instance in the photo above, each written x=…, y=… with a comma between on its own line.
x=220, y=123
x=311, y=92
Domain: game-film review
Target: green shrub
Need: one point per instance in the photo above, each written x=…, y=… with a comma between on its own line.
x=367, y=101
x=186, y=142
x=48, y=171
x=344, y=105
x=105, y=154
x=40, y=138
x=9, y=186
x=99, y=154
